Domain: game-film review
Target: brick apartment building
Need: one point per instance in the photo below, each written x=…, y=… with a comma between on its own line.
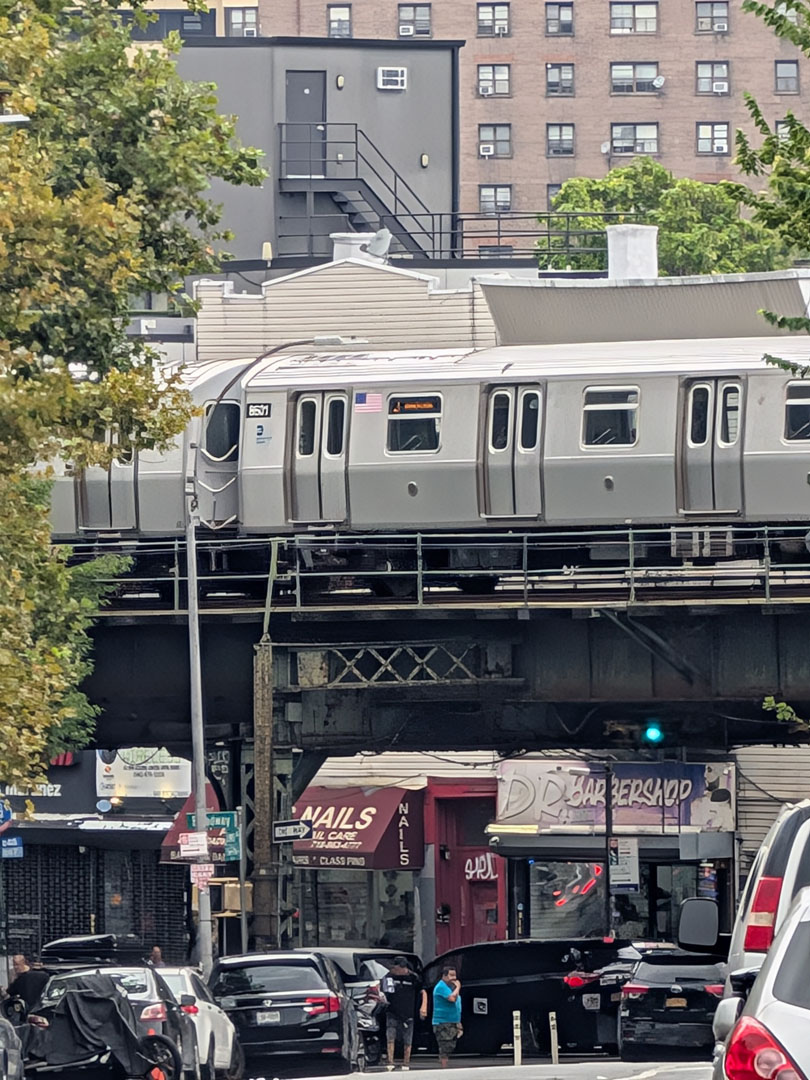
x=554, y=90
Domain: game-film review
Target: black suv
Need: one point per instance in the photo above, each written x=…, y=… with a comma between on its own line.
x=288, y=1003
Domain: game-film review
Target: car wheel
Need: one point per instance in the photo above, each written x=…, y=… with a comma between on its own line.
x=236, y=1069
x=207, y=1070
x=164, y=1057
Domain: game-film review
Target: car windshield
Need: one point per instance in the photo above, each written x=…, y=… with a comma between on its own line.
x=264, y=978
x=663, y=974
x=791, y=984
x=133, y=983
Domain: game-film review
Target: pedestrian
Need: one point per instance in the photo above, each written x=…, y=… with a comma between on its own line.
x=28, y=983
x=447, y=1013
x=402, y=987
x=156, y=957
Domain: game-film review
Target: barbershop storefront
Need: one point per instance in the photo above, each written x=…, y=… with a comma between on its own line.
x=668, y=827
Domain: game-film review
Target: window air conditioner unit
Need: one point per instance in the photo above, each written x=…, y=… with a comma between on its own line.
x=406, y=31
x=485, y=91
x=392, y=78
x=720, y=27
x=720, y=87
x=501, y=30
x=486, y=149
x=721, y=148
x=250, y=31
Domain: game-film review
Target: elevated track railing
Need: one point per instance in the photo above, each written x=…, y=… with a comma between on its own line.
x=609, y=568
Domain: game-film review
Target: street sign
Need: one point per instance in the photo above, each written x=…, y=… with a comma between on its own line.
x=227, y=821
x=193, y=844
x=12, y=847
x=291, y=830
x=201, y=874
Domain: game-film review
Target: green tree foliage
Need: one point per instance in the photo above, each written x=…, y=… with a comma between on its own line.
x=700, y=226
x=103, y=196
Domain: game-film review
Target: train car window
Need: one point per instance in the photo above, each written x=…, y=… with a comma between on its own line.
x=499, y=418
x=336, y=418
x=797, y=412
x=414, y=423
x=610, y=416
x=699, y=397
x=529, y=420
x=307, y=415
x=222, y=431
x=730, y=415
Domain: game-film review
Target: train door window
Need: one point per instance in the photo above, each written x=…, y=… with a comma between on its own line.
x=729, y=415
x=499, y=420
x=797, y=412
x=529, y=420
x=699, y=399
x=414, y=423
x=222, y=431
x=335, y=426
x=307, y=416
x=610, y=416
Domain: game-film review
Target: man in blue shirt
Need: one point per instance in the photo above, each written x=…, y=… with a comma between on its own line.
x=447, y=1014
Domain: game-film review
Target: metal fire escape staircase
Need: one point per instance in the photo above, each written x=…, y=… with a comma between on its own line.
x=368, y=192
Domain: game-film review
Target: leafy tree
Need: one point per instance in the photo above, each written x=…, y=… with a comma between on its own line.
x=103, y=195
x=700, y=226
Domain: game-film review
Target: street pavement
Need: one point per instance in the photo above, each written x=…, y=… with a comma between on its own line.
x=588, y=1069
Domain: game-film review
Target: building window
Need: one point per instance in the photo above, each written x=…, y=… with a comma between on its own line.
x=241, y=22
x=493, y=20
x=633, y=18
x=781, y=130
x=610, y=416
x=495, y=140
x=787, y=76
x=191, y=24
x=633, y=78
x=414, y=20
x=494, y=80
x=339, y=20
x=559, y=80
x=634, y=138
x=712, y=138
x=711, y=77
x=711, y=18
x=559, y=19
x=552, y=191
x=494, y=198
x=559, y=140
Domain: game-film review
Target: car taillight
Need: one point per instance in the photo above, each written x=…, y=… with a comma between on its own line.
x=715, y=989
x=634, y=990
x=759, y=929
x=192, y=1010
x=575, y=982
x=754, y=1054
x=316, y=1006
x=154, y=1012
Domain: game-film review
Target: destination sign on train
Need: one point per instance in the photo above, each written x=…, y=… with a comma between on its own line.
x=400, y=405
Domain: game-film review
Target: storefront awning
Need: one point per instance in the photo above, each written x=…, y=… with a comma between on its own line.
x=358, y=828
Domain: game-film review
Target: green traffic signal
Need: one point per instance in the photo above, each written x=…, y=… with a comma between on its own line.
x=653, y=732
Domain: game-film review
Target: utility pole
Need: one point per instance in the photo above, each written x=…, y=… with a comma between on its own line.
x=197, y=716
x=608, y=838
x=265, y=900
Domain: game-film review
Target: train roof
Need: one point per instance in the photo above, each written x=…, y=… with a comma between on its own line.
x=597, y=359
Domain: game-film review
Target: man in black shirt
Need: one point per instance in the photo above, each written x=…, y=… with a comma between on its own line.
x=402, y=988
x=27, y=983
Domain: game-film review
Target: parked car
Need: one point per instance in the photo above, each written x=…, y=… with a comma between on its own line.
x=669, y=1001
x=218, y=1049
x=156, y=1010
x=535, y=977
x=11, y=1058
x=762, y=1030
x=361, y=968
x=290, y=1004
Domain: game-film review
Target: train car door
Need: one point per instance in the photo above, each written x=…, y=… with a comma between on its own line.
x=318, y=471
x=218, y=464
x=512, y=452
x=712, y=446
x=107, y=499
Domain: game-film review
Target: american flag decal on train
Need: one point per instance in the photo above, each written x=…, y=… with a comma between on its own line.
x=368, y=402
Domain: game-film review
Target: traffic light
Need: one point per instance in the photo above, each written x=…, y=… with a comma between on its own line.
x=653, y=733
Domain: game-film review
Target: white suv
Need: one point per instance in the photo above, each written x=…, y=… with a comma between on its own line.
x=219, y=1051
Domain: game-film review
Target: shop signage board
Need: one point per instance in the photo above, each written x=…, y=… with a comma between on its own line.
x=648, y=798
x=12, y=847
x=624, y=869
x=361, y=828
x=142, y=772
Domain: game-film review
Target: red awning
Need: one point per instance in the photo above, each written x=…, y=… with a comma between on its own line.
x=361, y=829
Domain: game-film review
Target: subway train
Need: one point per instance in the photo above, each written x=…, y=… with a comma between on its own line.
x=697, y=437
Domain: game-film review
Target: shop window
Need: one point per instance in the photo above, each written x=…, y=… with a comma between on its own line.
x=566, y=900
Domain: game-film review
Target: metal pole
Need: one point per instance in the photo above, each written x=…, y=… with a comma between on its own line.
x=608, y=838
x=555, y=1042
x=517, y=1039
x=197, y=718
x=243, y=925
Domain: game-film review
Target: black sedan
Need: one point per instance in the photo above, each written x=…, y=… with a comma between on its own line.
x=669, y=1001
x=288, y=1004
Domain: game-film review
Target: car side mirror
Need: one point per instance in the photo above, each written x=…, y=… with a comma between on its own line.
x=742, y=981
x=699, y=924
x=187, y=999
x=725, y=1017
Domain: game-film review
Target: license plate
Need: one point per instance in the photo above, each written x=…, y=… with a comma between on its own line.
x=273, y=1017
x=676, y=1003
x=591, y=1001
